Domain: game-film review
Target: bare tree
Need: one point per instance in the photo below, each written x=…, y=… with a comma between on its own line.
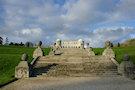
x=6, y=41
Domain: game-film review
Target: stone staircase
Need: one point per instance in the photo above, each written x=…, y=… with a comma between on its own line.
x=74, y=63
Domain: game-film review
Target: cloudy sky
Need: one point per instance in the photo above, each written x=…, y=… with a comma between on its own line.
x=94, y=21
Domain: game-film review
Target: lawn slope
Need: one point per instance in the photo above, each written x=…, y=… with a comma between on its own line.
x=119, y=51
x=10, y=57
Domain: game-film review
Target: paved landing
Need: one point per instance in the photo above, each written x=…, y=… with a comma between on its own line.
x=70, y=83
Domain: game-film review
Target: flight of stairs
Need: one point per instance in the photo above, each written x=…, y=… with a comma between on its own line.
x=74, y=63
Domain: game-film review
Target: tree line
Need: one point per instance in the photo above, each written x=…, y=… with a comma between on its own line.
x=27, y=44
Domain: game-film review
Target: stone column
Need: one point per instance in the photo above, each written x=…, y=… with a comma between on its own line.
x=89, y=50
x=52, y=52
x=38, y=51
x=54, y=47
x=127, y=68
x=24, y=68
x=58, y=43
x=108, y=52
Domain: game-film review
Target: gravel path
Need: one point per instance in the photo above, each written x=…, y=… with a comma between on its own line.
x=76, y=83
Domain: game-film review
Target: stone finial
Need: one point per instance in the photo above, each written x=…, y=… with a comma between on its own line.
x=24, y=57
x=24, y=68
x=108, y=52
x=39, y=43
x=87, y=44
x=127, y=68
x=107, y=43
x=38, y=52
x=126, y=57
x=81, y=45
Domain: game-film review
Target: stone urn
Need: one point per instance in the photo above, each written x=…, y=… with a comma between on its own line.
x=108, y=52
x=87, y=44
x=107, y=43
x=24, y=57
x=38, y=51
x=127, y=68
x=39, y=43
x=24, y=68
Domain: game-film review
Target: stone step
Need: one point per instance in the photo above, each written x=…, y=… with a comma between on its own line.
x=94, y=75
x=65, y=69
x=75, y=60
x=74, y=56
x=80, y=74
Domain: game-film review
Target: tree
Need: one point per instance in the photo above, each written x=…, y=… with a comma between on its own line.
x=16, y=44
x=111, y=44
x=29, y=44
x=7, y=42
x=11, y=43
x=1, y=40
x=21, y=44
x=118, y=44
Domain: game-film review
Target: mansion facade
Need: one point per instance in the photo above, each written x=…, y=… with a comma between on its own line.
x=70, y=44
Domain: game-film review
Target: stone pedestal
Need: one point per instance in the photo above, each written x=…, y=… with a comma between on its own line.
x=91, y=53
x=89, y=50
x=126, y=68
x=38, y=52
x=52, y=52
x=24, y=68
x=108, y=52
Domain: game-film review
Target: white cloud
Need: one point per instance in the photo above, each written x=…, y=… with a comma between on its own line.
x=26, y=31
x=113, y=34
x=46, y=20
x=35, y=32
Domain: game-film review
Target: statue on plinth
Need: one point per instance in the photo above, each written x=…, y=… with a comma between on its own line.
x=38, y=51
x=108, y=52
x=89, y=50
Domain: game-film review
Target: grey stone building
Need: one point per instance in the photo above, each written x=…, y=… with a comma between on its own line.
x=69, y=44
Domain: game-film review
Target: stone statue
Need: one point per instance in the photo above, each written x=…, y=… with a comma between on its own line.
x=108, y=52
x=54, y=47
x=89, y=50
x=127, y=68
x=107, y=43
x=81, y=45
x=38, y=51
x=24, y=68
x=52, y=52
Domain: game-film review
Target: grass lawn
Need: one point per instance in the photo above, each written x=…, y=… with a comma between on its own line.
x=10, y=57
x=119, y=51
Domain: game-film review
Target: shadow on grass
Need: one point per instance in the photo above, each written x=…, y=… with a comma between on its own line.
x=8, y=82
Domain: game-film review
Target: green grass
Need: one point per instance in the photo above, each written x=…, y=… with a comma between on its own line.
x=119, y=51
x=10, y=57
